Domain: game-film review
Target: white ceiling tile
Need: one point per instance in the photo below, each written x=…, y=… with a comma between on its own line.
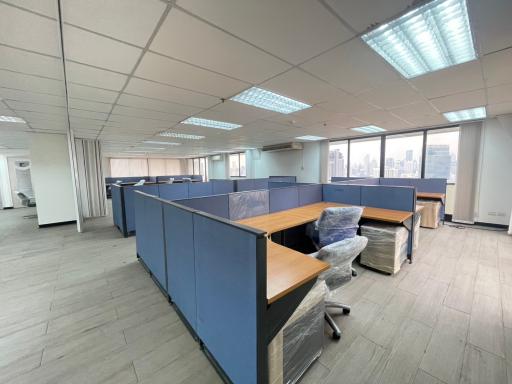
x=499, y=109
x=89, y=48
x=497, y=67
x=417, y=112
x=460, y=101
x=93, y=94
x=132, y=21
x=138, y=123
x=156, y=105
x=147, y=114
x=211, y=48
x=491, y=24
x=172, y=72
x=499, y=94
x=383, y=119
x=32, y=107
x=88, y=114
x=304, y=117
x=342, y=120
x=362, y=14
x=30, y=63
x=233, y=112
x=460, y=78
x=31, y=83
x=165, y=92
x=31, y=97
x=45, y=7
x=29, y=31
x=89, y=105
x=294, y=30
x=43, y=117
x=392, y=95
x=353, y=67
x=85, y=75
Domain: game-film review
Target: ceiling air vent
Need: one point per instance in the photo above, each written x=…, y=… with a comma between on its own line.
x=282, y=147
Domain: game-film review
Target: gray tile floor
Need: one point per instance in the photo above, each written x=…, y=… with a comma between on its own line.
x=78, y=308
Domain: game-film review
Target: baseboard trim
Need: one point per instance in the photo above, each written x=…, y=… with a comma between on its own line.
x=491, y=225
x=8, y=208
x=57, y=224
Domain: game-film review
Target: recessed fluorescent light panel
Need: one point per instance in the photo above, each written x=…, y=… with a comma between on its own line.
x=11, y=119
x=368, y=129
x=466, y=114
x=210, y=123
x=434, y=36
x=262, y=98
x=178, y=135
x=311, y=138
x=160, y=142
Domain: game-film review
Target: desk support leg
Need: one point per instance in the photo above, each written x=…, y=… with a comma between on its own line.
x=410, y=227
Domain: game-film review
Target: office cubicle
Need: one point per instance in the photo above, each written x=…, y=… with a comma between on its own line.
x=109, y=181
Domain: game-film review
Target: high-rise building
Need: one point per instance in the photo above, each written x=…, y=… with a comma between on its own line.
x=337, y=165
x=439, y=161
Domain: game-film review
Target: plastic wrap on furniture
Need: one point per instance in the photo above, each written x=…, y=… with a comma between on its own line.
x=431, y=213
x=248, y=204
x=387, y=247
x=338, y=223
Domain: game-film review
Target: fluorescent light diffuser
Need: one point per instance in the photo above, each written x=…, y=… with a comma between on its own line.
x=210, y=123
x=160, y=142
x=262, y=98
x=178, y=135
x=434, y=36
x=11, y=119
x=466, y=114
x=311, y=138
x=369, y=129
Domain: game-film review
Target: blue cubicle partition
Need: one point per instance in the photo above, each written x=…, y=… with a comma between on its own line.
x=217, y=205
x=173, y=191
x=281, y=199
x=200, y=189
x=180, y=259
x=129, y=207
x=341, y=193
x=389, y=197
x=164, y=179
x=221, y=186
x=250, y=184
x=117, y=208
x=248, y=204
x=310, y=194
x=150, y=239
x=288, y=179
x=369, y=181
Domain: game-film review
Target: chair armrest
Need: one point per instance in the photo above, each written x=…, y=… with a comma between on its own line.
x=343, y=251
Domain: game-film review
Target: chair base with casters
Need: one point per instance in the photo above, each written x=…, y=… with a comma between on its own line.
x=340, y=256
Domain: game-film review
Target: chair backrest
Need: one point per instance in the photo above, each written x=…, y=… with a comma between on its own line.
x=140, y=182
x=171, y=180
x=338, y=223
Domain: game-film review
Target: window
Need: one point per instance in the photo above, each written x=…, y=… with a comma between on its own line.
x=365, y=157
x=198, y=166
x=403, y=155
x=338, y=159
x=237, y=165
x=441, y=154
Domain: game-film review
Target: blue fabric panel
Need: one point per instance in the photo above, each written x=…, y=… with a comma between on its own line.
x=248, y=204
x=222, y=186
x=244, y=185
x=369, y=181
x=290, y=179
x=128, y=202
x=260, y=184
x=396, y=181
x=341, y=193
x=200, y=189
x=151, y=179
x=280, y=199
x=227, y=297
x=430, y=185
x=150, y=235
x=196, y=177
x=173, y=191
x=181, y=279
x=215, y=205
x=280, y=184
x=117, y=208
x=388, y=197
x=310, y=194
x=336, y=179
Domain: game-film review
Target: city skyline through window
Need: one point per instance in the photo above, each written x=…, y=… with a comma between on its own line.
x=338, y=157
x=365, y=157
x=237, y=165
x=403, y=155
x=441, y=156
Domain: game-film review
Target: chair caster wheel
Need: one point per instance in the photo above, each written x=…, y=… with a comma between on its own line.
x=346, y=311
x=336, y=335
x=354, y=273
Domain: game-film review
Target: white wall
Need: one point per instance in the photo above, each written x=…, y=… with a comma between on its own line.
x=51, y=178
x=218, y=169
x=494, y=196
x=5, y=184
x=305, y=164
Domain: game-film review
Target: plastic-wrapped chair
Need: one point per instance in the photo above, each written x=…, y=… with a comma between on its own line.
x=339, y=245
x=171, y=180
x=139, y=183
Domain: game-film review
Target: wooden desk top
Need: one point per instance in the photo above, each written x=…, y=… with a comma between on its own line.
x=288, y=269
x=430, y=195
x=279, y=221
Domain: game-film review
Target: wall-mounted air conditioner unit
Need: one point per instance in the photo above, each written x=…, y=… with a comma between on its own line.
x=282, y=147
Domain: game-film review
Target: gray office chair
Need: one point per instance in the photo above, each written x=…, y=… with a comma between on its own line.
x=335, y=233
x=139, y=183
x=25, y=200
